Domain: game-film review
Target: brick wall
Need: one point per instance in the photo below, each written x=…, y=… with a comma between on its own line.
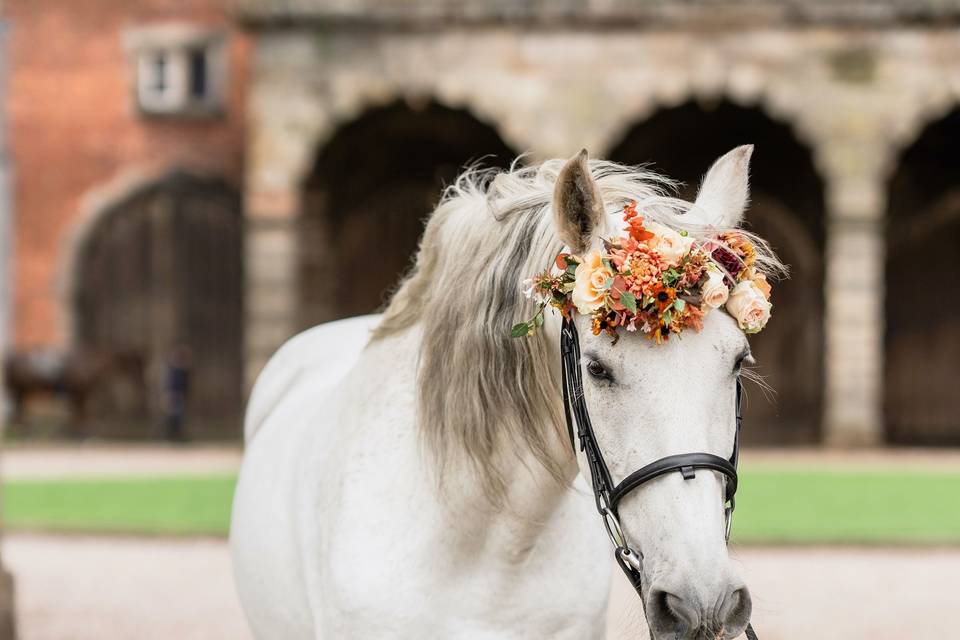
x=75, y=126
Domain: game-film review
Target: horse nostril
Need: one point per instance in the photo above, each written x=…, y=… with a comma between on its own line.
x=735, y=612
x=670, y=616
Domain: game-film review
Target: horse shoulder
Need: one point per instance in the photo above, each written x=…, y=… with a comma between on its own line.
x=327, y=352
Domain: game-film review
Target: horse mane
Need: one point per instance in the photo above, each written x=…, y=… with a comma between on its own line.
x=481, y=393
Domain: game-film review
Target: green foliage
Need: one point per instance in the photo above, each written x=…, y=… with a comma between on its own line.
x=520, y=330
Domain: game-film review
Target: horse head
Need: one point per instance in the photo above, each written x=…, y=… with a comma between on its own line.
x=650, y=393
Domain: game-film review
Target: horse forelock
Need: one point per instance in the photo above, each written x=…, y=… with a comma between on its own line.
x=483, y=396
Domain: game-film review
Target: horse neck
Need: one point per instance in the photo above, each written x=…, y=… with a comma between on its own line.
x=504, y=531
x=509, y=530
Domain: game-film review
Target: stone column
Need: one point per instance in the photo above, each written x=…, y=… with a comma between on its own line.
x=270, y=291
x=854, y=296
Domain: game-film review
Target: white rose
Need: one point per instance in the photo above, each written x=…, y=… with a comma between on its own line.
x=749, y=307
x=714, y=291
x=668, y=243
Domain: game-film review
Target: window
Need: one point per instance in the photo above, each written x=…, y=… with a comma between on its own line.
x=179, y=71
x=198, y=74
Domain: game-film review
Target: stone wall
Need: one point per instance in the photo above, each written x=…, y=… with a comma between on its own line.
x=855, y=96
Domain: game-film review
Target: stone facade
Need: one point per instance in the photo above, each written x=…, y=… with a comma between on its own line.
x=855, y=82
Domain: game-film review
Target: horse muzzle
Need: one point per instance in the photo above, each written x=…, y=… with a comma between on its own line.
x=676, y=612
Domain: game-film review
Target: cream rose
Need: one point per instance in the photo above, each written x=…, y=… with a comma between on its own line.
x=589, y=288
x=749, y=307
x=668, y=243
x=714, y=291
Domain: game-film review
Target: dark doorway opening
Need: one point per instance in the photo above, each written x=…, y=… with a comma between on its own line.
x=787, y=209
x=922, y=301
x=162, y=273
x=365, y=203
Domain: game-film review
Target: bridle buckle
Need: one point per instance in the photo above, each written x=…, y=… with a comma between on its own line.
x=612, y=524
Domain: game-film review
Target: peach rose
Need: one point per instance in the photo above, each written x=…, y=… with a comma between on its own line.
x=714, y=291
x=668, y=243
x=589, y=288
x=760, y=281
x=749, y=307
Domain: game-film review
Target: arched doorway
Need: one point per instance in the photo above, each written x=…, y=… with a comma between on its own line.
x=787, y=209
x=161, y=271
x=371, y=188
x=922, y=302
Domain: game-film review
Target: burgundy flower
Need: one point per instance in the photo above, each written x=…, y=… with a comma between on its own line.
x=728, y=260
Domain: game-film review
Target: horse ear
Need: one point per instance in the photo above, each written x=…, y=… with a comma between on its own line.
x=725, y=190
x=577, y=204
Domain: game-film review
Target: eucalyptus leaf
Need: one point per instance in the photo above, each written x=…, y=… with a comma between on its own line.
x=520, y=330
x=679, y=304
x=628, y=300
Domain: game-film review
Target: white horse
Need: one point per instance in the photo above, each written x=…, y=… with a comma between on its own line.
x=410, y=475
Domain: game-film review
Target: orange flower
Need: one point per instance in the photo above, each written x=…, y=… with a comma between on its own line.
x=618, y=287
x=663, y=296
x=590, y=287
x=760, y=282
x=596, y=325
x=742, y=247
x=693, y=317
x=634, y=222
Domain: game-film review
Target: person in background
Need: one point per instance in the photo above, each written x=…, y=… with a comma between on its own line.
x=176, y=392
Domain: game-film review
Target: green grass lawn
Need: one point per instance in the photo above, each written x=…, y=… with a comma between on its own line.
x=774, y=506
x=179, y=505
x=806, y=506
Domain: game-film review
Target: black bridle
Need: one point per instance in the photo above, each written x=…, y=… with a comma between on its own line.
x=607, y=494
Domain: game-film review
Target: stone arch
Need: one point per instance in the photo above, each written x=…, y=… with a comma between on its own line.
x=788, y=209
x=922, y=304
x=372, y=185
x=156, y=262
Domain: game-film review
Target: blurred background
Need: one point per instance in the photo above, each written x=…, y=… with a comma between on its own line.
x=185, y=184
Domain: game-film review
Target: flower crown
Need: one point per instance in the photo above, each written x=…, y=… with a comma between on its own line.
x=656, y=280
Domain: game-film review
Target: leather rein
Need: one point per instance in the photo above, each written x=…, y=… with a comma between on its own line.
x=606, y=493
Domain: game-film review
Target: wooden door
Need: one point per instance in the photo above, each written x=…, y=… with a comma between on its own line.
x=163, y=269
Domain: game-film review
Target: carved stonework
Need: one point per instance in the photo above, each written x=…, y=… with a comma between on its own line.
x=854, y=91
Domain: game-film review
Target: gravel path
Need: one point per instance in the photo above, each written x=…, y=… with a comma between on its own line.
x=90, y=459
x=88, y=588
x=95, y=459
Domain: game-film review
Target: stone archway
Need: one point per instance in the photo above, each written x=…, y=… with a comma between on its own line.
x=788, y=210
x=161, y=267
x=372, y=186
x=922, y=303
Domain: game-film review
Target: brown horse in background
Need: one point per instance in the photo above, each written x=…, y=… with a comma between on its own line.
x=74, y=376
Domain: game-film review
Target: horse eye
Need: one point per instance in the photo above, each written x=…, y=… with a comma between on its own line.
x=596, y=370
x=744, y=357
